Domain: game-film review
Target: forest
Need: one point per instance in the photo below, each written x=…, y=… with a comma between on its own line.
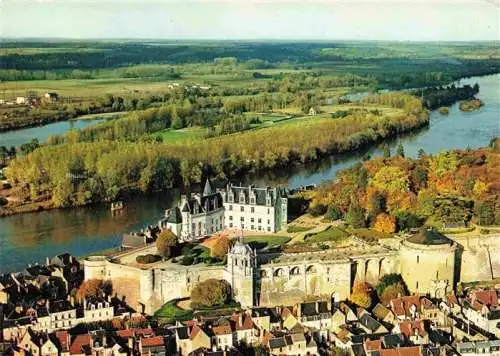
x=99, y=167
x=395, y=193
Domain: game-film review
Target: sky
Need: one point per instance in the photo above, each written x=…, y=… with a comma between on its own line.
x=398, y=20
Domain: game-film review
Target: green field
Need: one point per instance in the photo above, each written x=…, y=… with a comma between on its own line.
x=331, y=234
x=187, y=134
x=269, y=241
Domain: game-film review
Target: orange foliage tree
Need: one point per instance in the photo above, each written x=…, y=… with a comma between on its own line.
x=361, y=294
x=385, y=223
x=93, y=288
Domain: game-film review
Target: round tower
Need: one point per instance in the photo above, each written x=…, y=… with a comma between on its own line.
x=428, y=262
x=94, y=267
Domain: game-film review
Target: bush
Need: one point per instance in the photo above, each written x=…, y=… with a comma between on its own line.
x=187, y=261
x=210, y=293
x=167, y=243
x=146, y=259
x=406, y=221
x=317, y=210
x=484, y=231
x=333, y=213
x=355, y=217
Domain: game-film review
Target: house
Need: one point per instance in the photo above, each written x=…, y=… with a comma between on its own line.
x=463, y=330
x=383, y=314
x=199, y=338
x=292, y=344
x=244, y=328
x=371, y=325
x=313, y=111
x=223, y=334
x=152, y=346
x=49, y=98
x=481, y=307
x=407, y=307
x=315, y=315
x=21, y=100
x=414, y=331
x=479, y=348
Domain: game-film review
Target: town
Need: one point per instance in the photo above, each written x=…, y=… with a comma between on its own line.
x=417, y=294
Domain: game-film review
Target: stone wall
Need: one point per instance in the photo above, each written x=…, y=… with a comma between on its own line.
x=289, y=284
x=480, y=258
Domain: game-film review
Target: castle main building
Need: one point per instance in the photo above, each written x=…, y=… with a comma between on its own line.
x=234, y=207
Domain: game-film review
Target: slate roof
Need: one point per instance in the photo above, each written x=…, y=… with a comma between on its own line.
x=429, y=237
x=369, y=322
x=277, y=342
x=175, y=216
x=259, y=193
x=393, y=340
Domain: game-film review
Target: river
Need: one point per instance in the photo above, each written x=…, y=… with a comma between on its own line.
x=42, y=133
x=27, y=238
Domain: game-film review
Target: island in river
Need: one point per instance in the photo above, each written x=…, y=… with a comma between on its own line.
x=471, y=105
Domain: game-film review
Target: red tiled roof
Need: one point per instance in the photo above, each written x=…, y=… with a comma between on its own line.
x=373, y=345
x=401, y=306
x=222, y=330
x=194, y=331
x=152, y=341
x=144, y=332
x=125, y=333
x=246, y=324
x=410, y=328
x=401, y=351
x=63, y=338
x=452, y=299
x=78, y=342
x=488, y=297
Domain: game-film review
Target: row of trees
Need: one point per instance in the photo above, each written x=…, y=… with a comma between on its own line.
x=398, y=193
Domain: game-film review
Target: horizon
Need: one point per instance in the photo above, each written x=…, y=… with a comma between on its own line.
x=230, y=20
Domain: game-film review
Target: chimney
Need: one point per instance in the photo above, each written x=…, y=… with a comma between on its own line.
x=70, y=258
x=47, y=261
x=72, y=301
x=240, y=318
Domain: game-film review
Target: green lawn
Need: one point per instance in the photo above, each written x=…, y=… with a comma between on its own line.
x=262, y=241
x=297, y=228
x=172, y=136
x=170, y=313
x=331, y=234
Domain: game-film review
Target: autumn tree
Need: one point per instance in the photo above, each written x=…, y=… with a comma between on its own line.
x=393, y=291
x=361, y=294
x=209, y=293
x=220, y=249
x=93, y=288
x=167, y=243
x=385, y=223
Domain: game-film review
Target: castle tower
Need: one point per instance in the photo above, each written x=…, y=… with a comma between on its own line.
x=433, y=255
x=241, y=263
x=208, y=188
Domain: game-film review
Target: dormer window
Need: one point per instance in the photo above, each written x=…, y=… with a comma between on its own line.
x=252, y=199
x=230, y=197
x=242, y=198
x=268, y=200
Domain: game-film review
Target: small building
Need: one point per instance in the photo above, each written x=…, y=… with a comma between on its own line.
x=50, y=98
x=313, y=111
x=21, y=100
